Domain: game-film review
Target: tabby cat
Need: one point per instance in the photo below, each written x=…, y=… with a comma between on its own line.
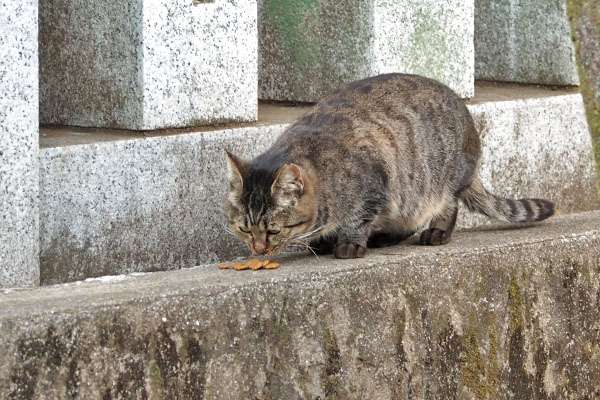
x=368, y=167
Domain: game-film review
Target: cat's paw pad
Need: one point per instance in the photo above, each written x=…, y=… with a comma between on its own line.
x=434, y=237
x=349, y=250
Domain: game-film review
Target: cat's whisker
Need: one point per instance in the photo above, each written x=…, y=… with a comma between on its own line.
x=304, y=246
x=228, y=230
x=308, y=234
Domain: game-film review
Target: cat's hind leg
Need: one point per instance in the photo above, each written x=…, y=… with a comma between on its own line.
x=441, y=226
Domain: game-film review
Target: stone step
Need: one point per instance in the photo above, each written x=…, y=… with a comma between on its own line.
x=500, y=312
x=113, y=202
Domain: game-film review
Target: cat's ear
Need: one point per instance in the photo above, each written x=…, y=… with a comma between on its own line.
x=288, y=185
x=235, y=170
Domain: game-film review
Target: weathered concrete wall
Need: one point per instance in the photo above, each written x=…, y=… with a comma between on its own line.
x=19, y=250
x=497, y=314
x=147, y=64
x=308, y=49
x=524, y=41
x=156, y=203
x=585, y=27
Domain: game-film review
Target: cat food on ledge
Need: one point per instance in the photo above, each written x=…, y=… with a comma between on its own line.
x=253, y=264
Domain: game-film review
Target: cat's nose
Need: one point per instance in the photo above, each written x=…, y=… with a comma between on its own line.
x=260, y=248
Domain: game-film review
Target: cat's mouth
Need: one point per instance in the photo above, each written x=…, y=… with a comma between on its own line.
x=264, y=251
x=274, y=249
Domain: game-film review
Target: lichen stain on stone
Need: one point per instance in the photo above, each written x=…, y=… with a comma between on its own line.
x=331, y=380
x=585, y=30
x=400, y=325
x=515, y=305
x=473, y=365
x=288, y=19
x=24, y=374
x=520, y=381
x=176, y=371
x=450, y=345
x=493, y=367
x=429, y=50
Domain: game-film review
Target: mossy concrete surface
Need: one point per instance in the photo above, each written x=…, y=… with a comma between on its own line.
x=585, y=27
x=500, y=313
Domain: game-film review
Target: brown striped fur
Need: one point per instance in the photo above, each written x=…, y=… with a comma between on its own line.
x=372, y=163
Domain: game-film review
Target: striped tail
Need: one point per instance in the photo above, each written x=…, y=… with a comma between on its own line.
x=478, y=199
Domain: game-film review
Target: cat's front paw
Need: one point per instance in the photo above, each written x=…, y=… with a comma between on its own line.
x=434, y=237
x=349, y=250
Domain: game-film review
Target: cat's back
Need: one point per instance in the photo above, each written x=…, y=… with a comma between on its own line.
x=410, y=98
x=407, y=107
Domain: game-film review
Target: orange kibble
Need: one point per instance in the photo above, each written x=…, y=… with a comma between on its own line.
x=239, y=266
x=254, y=264
x=224, y=266
x=264, y=263
x=272, y=265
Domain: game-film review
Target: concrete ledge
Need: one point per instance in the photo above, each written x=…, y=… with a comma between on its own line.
x=118, y=205
x=502, y=313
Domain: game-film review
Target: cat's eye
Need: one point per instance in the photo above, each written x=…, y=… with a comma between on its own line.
x=273, y=231
x=244, y=229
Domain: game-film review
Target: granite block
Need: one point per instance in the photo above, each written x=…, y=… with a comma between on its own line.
x=147, y=64
x=19, y=247
x=524, y=41
x=309, y=49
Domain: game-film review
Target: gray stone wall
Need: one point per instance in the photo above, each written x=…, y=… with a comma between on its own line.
x=19, y=262
x=308, y=49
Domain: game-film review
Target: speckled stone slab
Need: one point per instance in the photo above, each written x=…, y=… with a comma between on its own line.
x=524, y=41
x=19, y=249
x=156, y=203
x=148, y=64
x=307, y=49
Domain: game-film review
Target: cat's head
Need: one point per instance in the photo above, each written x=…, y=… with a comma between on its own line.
x=269, y=206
